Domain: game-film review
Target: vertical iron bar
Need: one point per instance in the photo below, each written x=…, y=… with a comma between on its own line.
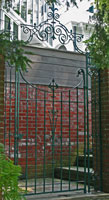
x=69, y=145
x=92, y=128
x=18, y=98
x=44, y=167
x=5, y=120
x=10, y=112
x=95, y=128
x=84, y=86
x=88, y=153
x=36, y=143
x=99, y=96
x=53, y=91
x=15, y=136
x=77, y=141
x=26, y=136
x=61, y=163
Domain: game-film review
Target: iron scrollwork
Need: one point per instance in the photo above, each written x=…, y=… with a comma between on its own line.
x=51, y=28
x=53, y=124
x=93, y=72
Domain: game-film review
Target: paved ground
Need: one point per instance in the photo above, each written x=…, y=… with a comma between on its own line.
x=77, y=195
x=70, y=197
x=96, y=196
x=40, y=186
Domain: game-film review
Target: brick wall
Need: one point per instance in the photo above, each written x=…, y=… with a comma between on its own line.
x=35, y=126
x=105, y=127
x=100, y=109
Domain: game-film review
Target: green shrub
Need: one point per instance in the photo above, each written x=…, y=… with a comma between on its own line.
x=9, y=174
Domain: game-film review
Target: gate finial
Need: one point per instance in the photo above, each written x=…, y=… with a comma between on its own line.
x=53, y=85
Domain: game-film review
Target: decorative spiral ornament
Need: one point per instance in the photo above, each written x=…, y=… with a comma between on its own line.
x=58, y=30
x=43, y=36
x=49, y=29
x=62, y=33
x=50, y=15
x=56, y=16
x=26, y=29
x=79, y=38
x=63, y=38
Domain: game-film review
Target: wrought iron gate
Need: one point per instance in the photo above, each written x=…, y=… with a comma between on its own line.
x=48, y=131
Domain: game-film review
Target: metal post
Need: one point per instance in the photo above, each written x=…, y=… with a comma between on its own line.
x=10, y=112
x=18, y=101
x=15, y=135
x=84, y=87
x=44, y=164
x=53, y=132
x=26, y=137
x=61, y=163
x=69, y=145
x=77, y=163
x=99, y=96
x=36, y=144
x=88, y=153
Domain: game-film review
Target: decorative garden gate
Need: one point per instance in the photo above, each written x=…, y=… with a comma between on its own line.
x=48, y=130
x=48, y=133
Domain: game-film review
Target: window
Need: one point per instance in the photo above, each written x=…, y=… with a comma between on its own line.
x=42, y=11
x=45, y=8
x=24, y=10
x=7, y=24
x=15, y=30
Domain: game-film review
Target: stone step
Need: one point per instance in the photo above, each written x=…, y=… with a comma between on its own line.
x=80, y=161
x=74, y=173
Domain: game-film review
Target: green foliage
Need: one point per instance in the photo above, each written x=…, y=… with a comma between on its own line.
x=9, y=174
x=49, y=2
x=13, y=52
x=72, y=2
x=98, y=44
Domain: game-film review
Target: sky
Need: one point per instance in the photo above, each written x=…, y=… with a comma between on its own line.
x=77, y=14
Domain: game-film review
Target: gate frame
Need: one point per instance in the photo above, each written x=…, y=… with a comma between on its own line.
x=86, y=120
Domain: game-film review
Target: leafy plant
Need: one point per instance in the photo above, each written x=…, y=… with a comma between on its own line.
x=9, y=174
x=98, y=44
x=13, y=52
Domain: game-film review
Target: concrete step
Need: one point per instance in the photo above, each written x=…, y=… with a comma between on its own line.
x=74, y=173
x=80, y=161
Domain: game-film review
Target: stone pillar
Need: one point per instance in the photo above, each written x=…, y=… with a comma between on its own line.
x=104, y=88
x=2, y=67
x=100, y=119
